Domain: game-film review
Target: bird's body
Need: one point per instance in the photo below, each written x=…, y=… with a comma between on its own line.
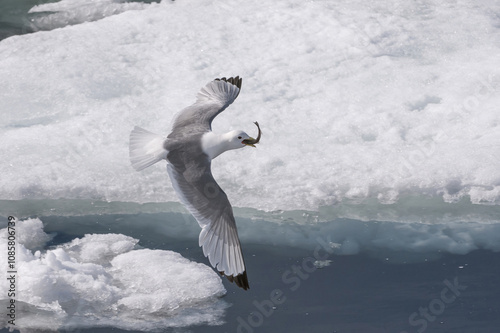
x=189, y=150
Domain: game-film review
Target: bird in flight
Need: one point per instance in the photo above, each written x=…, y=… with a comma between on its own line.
x=189, y=150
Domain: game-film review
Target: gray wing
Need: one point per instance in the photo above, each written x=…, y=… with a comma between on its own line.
x=207, y=202
x=210, y=101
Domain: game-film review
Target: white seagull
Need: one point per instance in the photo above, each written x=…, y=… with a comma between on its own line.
x=189, y=150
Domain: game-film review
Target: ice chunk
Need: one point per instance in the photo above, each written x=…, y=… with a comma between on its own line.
x=103, y=280
x=30, y=233
x=99, y=249
x=322, y=263
x=171, y=281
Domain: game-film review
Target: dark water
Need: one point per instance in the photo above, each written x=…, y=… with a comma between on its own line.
x=357, y=293
x=15, y=20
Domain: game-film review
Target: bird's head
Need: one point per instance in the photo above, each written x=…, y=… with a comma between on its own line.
x=240, y=139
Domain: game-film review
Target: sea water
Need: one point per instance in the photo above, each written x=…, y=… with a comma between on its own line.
x=145, y=272
x=371, y=203
x=361, y=102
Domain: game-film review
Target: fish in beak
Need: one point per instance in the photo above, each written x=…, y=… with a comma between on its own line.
x=251, y=141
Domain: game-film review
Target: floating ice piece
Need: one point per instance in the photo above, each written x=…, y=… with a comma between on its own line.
x=322, y=263
x=103, y=280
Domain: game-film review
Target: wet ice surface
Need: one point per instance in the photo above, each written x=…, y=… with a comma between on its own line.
x=380, y=290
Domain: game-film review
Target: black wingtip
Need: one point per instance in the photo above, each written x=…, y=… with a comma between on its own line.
x=233, y=80
x=241, y=280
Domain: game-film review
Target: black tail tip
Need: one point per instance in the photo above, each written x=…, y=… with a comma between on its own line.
x=241, y=280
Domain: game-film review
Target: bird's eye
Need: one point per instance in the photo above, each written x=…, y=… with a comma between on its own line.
x=239, y=137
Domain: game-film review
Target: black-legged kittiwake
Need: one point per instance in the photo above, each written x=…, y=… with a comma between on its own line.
x=189, y=150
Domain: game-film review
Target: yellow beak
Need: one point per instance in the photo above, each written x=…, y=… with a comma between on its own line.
x=248, y=142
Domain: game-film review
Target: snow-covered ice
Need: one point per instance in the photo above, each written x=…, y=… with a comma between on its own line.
x=356, y=100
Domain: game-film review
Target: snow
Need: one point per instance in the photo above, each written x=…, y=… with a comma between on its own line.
x=355, y=100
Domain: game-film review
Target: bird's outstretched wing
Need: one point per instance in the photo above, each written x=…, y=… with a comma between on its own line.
x=207, y=202
x=211, y=100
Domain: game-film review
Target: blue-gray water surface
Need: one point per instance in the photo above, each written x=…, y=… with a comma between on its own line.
x=355, y=293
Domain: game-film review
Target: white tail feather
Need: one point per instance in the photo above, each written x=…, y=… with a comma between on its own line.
x=146, y=148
